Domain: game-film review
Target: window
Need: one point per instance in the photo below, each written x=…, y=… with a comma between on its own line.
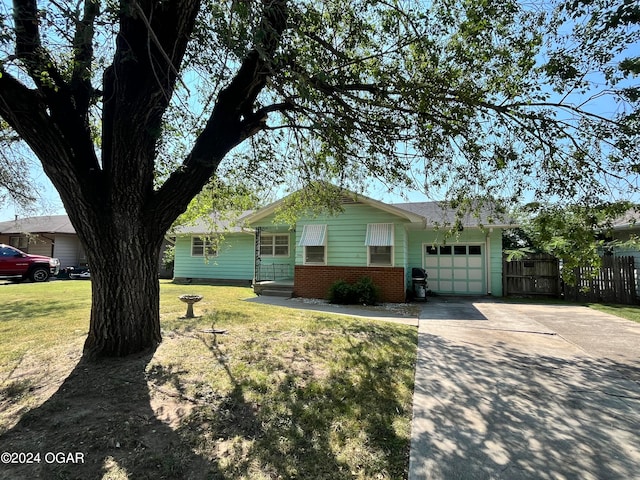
x=21, y=243
x=7, y=252
x=272, y=245
x=380, y=255
x=460, y=250
x=314, y=240
x=457, y=250
x=266, y=245
x=379, y=239
x=314, y=254
x=281, y=248
x=201, y=245
x=475, y=250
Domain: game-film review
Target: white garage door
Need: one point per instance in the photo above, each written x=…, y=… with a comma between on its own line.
x=456, y=269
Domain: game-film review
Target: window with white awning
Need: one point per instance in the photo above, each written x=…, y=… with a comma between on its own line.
x=314, y=241
x=379, y=235
x=379, y=242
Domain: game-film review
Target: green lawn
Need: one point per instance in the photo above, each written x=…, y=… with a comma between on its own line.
x=630, y=312
x=283, y=393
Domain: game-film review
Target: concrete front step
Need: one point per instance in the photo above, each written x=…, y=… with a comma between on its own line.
x=277, y=293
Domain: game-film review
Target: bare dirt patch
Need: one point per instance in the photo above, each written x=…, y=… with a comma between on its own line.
x=106, y=412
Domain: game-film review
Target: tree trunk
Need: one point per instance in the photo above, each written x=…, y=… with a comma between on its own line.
x=111, y=199
x=125, y=307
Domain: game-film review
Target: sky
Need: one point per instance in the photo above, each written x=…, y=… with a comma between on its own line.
x=50, y=203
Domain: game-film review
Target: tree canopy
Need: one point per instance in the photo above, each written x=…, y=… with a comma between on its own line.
x=579, y=235
x=455, y=96
x=132, y=107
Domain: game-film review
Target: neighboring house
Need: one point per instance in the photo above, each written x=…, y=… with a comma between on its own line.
x=368, y=238
x=53, y=236
x=623, y=229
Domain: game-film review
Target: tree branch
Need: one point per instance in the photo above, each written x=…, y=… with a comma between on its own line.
x=158, y=45
x=138, y=87
x=83, y=56
x=560, y=106
x=232, y=121
x=70, y=119
x=25, y=111
x=29, y=50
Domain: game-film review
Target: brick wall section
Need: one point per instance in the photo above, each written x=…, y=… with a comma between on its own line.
x=314, y=281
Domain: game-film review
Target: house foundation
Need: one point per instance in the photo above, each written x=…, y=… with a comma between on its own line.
x=313, y=281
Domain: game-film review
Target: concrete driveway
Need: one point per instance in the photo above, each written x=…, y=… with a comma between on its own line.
x=515, y=391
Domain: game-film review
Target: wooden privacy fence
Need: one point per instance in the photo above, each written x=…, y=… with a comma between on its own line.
x=538, y=274
x=614, y=283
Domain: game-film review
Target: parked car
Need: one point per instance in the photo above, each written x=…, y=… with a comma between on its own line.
x=18, y=265
x=79, y=273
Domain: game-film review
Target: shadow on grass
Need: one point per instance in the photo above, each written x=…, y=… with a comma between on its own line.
x=496, y=412
x=216, y=319
x=295, y=411
x=102, y=411
x=26, y=310
x=296, y=422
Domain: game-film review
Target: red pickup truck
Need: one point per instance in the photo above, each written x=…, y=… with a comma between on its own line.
x=16, y=264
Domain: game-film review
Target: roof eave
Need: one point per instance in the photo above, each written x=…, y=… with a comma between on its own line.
x=412, y=217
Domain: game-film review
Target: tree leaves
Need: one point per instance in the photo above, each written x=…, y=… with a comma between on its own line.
x=579, y=235
x=451, y=97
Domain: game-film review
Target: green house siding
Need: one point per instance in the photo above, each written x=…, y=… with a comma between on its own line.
x=233, y=262
x=495, y=257
x=346, y=235
x=475, y=267
x=476, y=279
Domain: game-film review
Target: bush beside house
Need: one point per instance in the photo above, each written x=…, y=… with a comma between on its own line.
x=363, y=292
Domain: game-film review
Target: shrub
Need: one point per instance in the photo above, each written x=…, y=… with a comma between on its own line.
x=340, y=292
x=364, y=291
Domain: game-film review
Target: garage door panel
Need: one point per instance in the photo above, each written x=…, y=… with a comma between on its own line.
x=460, y=261
x=475, y=274
x=460, y=273
x=475, y=262
x=460, y=287
x=456, y=270
x=431, y=261
x=445, y=274
x=431, y=273
x=446, y=262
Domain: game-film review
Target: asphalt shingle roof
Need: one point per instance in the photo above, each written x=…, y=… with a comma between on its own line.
x=434, y=213
x=43, y=224
x=438, y=213
x=215, y=224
